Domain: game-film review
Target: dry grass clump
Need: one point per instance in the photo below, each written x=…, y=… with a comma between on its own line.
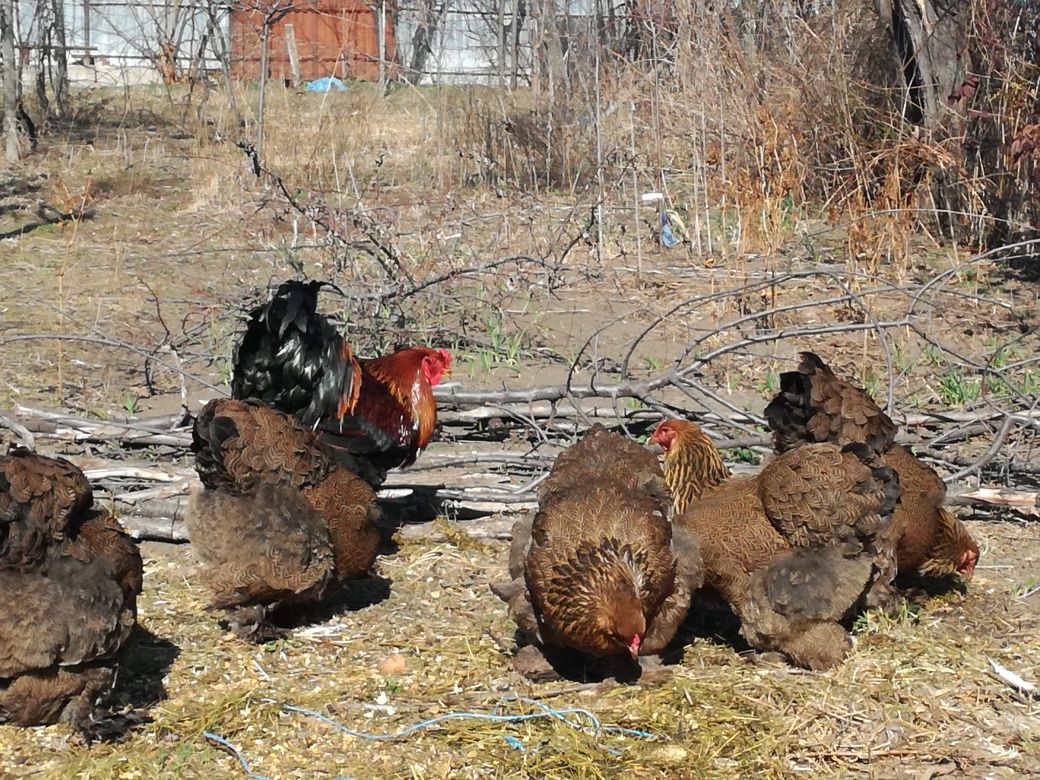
x=755, y=120
x=915, y=694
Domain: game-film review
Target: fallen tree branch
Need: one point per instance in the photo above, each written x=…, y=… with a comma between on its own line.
x=1025, y=502
x=457, y=403
x=970, y=465
x=144, y=432
x=134, y=472
x=158, y=514
x=24, y=435
x=46, y=214
x=435, y=530
x=162, y=526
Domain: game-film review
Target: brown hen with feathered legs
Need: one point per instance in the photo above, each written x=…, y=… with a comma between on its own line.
x=71, y=578
x=279, y=520
x=597, y=570
x=814, y=405
x=795, y=550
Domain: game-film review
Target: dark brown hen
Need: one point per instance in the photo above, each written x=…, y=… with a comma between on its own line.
x=77, y=576
x=278, y=520
x=41, y=499
x=265, y=549
x=597, y=570
x=814, y=405
x=794, y=550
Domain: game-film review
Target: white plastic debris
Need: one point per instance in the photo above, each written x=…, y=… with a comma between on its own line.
x=1011, y=678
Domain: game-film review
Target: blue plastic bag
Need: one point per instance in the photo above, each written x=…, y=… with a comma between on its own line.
x=325, y=85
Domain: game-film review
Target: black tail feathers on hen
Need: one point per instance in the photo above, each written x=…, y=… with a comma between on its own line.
x=208, y=435
x=814, y=405
x=291, y=357
x=789, y=412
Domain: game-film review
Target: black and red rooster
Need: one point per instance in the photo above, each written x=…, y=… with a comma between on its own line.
x=373, y=413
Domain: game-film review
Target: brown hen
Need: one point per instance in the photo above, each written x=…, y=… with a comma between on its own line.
x=279, y=520
x=71, y=578
x=597, y=570
x=794, y=550
x=814, y=405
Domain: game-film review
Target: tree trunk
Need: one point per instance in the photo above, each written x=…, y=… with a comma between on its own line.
x=265, y=51
x=422, y=40
x=929, y=42
x=222, y=53
x=43, y=26
x=927, y=36
x=10, y=79
x=553, y=67
x=61, y=60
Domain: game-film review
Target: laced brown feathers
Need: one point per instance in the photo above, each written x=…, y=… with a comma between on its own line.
x=279, y=520
x=814, y=405
x=597, y=570
x=70, y=577
x=795, y=549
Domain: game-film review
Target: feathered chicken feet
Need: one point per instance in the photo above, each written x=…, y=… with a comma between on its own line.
x=820, y=647
x=252, y=624
x=531, y=662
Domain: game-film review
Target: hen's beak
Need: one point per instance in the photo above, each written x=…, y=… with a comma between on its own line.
x=633, y=647
x=967, y=565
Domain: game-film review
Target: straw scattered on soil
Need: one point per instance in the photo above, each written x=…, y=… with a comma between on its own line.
x=916, y=693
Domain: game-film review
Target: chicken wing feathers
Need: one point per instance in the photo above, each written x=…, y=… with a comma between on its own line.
x=825, y=494
x=259, y=548
x=41, y=501
x=814, y=405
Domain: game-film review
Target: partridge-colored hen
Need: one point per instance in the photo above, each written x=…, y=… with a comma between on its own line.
x=598, y=570
x=278, y=520
x=796, y=549
x=70, y=578
x=814, y=405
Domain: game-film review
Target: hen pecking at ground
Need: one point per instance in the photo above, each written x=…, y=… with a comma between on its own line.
x=598, y=571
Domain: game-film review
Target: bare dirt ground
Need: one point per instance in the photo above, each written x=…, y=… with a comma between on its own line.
x=99, y=313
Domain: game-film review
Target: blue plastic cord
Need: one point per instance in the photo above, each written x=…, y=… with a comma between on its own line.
x=235, y=751
x=575, y=717
x=563, y=715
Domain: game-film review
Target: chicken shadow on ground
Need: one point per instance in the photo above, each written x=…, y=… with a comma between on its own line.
x=537, y=663
x=420, y=506
x=349, y=597
x=917, y=589
x=547, y=664
x=139, y=683
x=711, y=618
